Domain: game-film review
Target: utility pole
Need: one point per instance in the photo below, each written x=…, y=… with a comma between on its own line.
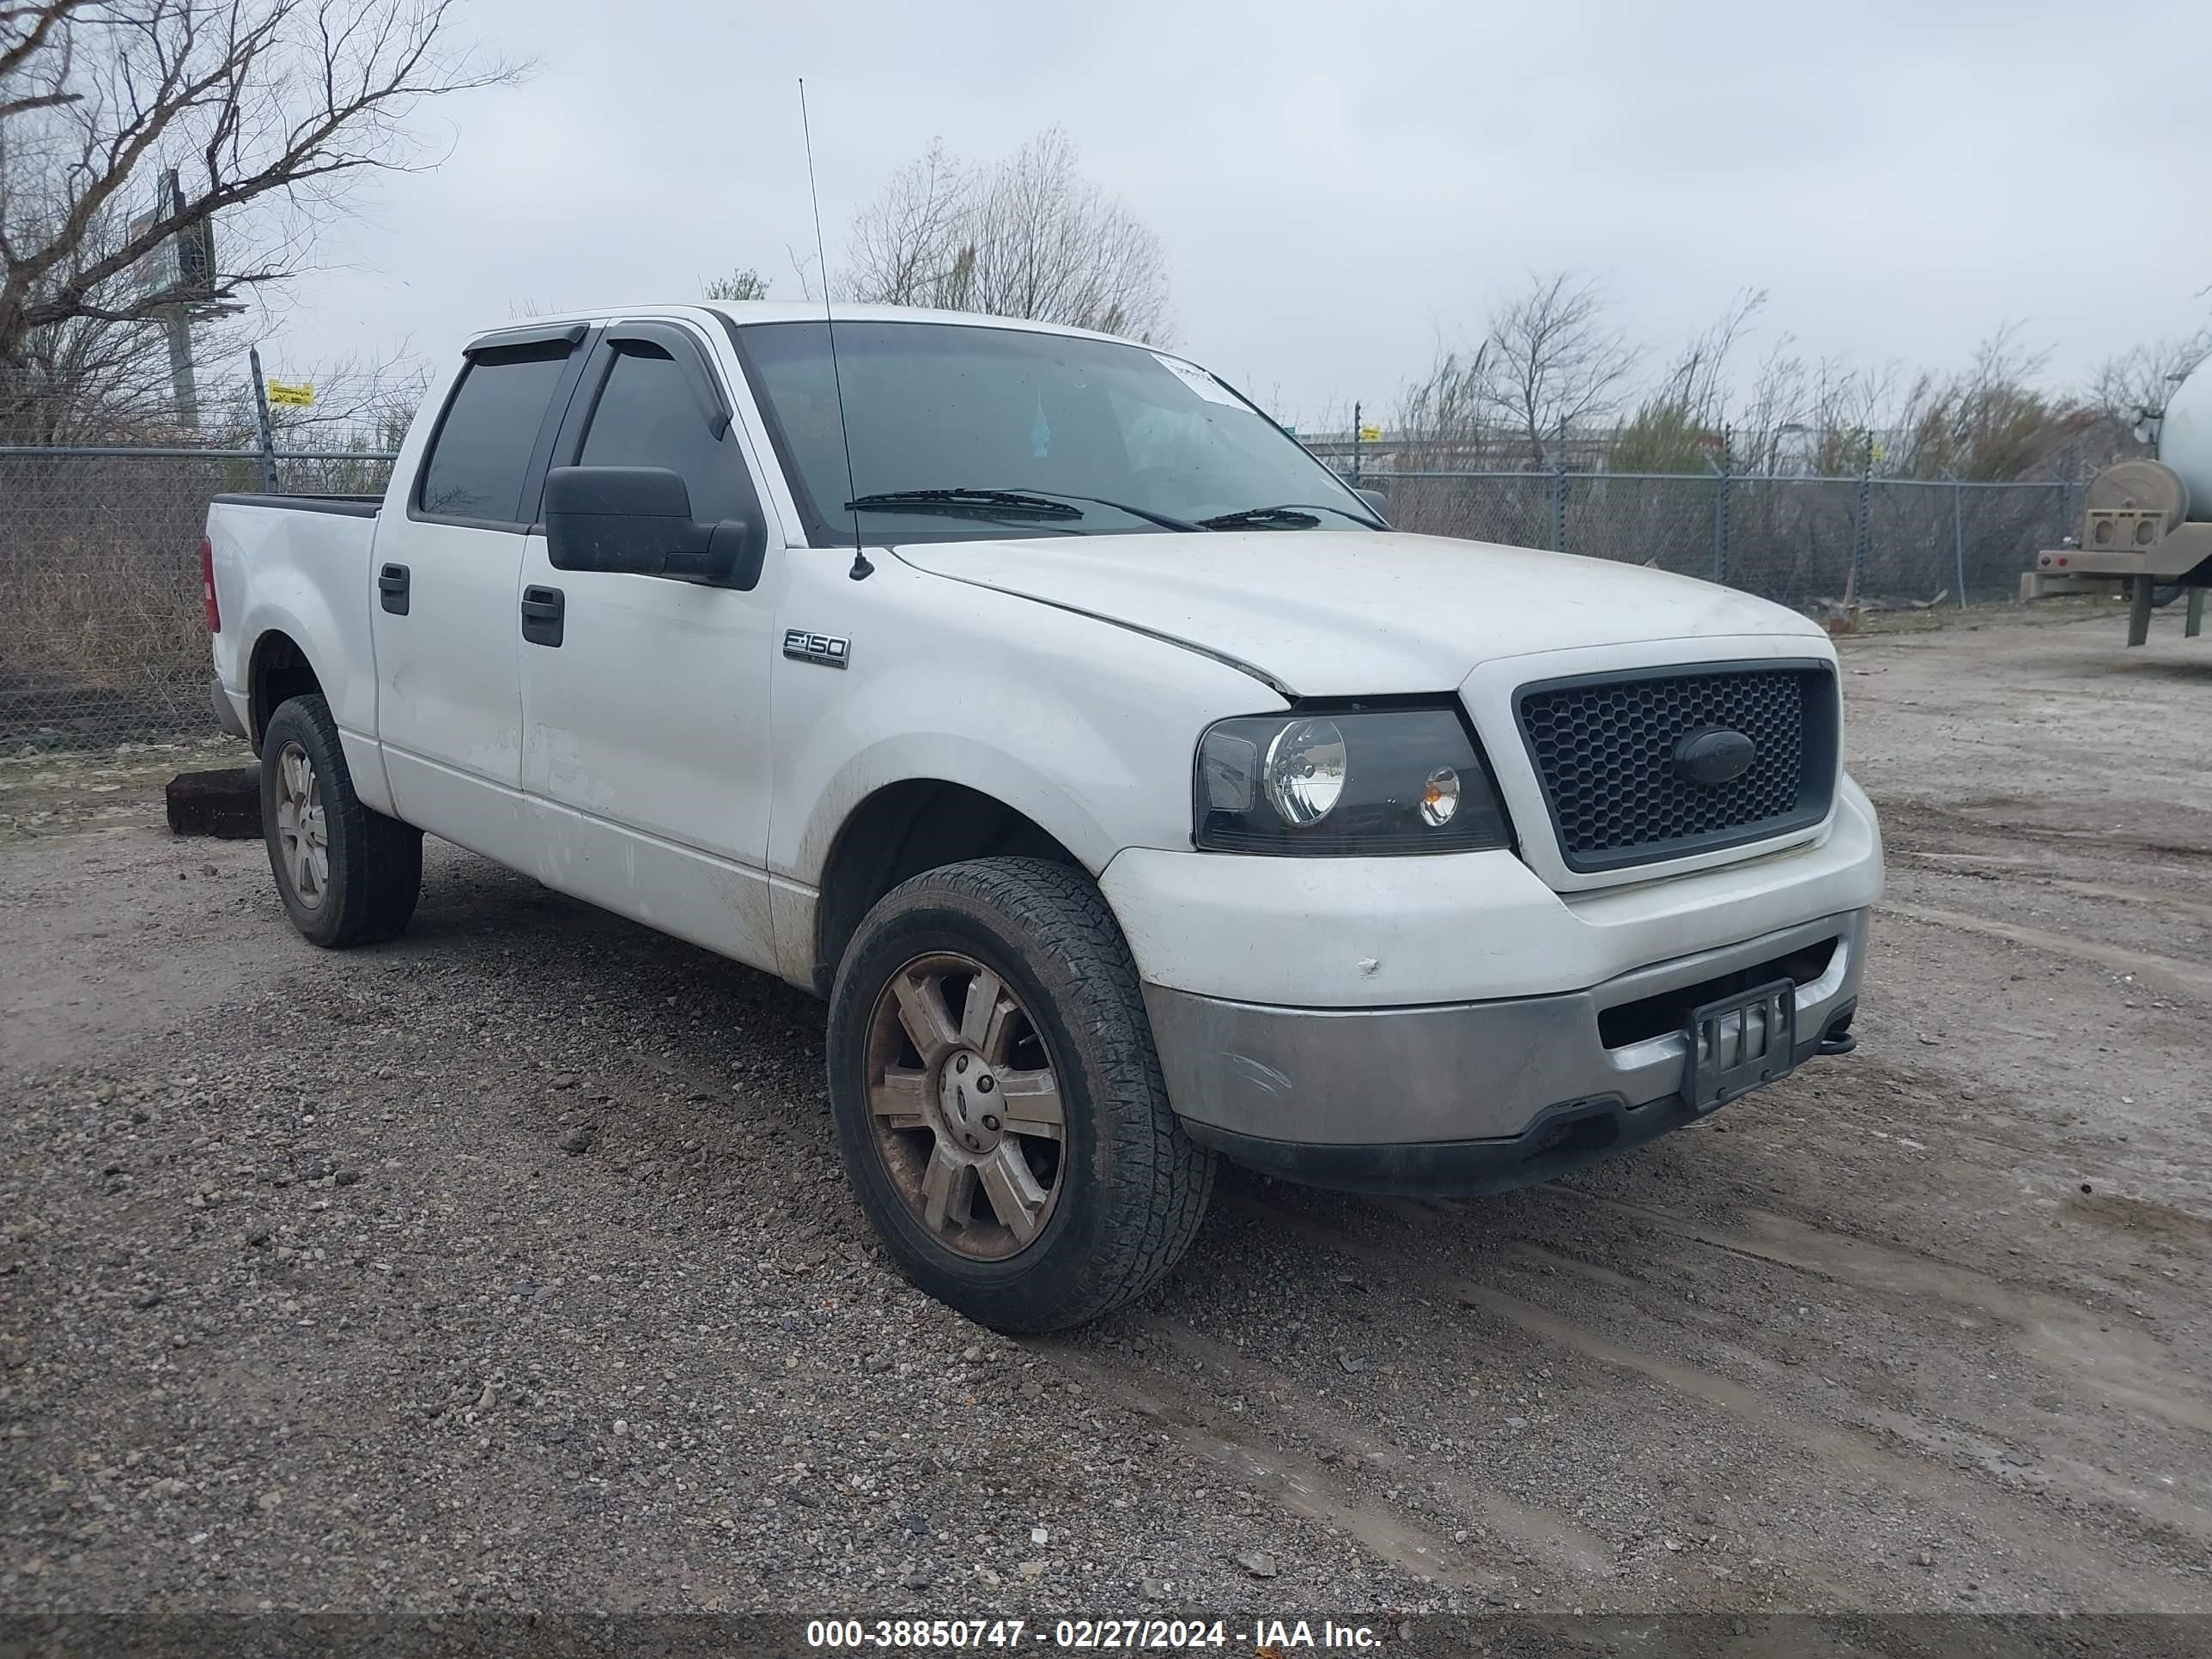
x=263, y=435
x=177, y=316
x=178, y=321
x=1722, y=474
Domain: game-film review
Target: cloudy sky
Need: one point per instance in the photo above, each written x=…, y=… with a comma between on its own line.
x=1336, y=195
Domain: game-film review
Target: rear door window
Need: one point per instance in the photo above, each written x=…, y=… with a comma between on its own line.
x=480, y=458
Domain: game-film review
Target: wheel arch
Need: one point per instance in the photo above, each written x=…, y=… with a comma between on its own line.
x=277, y=670
x=900, y=829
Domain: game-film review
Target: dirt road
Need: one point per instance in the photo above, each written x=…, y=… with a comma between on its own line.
x=306, y=1300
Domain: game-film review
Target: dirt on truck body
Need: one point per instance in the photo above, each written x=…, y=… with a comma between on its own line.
x=480, y=1271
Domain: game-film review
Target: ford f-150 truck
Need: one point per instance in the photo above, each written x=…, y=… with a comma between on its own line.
x=1131, y=791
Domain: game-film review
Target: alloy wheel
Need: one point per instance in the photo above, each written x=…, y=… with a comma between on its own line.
x=965, y=1106
x=302, y=832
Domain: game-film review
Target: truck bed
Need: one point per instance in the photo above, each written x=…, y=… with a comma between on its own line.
x=299, y=566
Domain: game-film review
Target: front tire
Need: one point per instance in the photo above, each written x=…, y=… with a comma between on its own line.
x=998, y=1104
x=347, y=875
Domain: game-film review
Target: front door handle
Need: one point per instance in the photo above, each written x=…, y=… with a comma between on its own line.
x=543, y=610
x=391, y=589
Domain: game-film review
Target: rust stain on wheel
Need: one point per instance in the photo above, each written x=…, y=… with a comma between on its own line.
x=965, y=1106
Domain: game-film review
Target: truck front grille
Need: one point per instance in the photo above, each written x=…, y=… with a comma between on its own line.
x=1605, y=748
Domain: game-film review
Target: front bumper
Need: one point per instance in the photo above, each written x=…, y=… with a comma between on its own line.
x=1476, y=1095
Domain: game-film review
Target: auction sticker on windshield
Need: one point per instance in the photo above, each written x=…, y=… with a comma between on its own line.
x=1199, y=381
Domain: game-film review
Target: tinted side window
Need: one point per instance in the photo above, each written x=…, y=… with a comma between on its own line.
x=482, y=447
x=647, y=416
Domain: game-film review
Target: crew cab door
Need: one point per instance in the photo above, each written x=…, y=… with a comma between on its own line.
x=447, y=572
x=645, y=704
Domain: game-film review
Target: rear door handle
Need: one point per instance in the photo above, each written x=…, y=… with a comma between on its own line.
x=543, y=611
x=393, y=587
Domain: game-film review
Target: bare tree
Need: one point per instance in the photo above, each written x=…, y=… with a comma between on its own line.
x=906, y=242
x=2133, y=386
x=1030, y=237
x=1050, y=243
x=268, y=110
x=1549, y=364
x=1556, y=365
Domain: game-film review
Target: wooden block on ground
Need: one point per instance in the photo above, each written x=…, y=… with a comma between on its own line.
x=226, y=804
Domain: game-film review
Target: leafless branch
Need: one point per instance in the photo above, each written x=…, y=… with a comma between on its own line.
x=2134, y=384
x=1029, y=237
x=267, y=109
x=1550, y=366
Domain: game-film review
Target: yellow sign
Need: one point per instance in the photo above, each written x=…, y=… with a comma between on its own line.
x=300, y=396
x=1371, y=434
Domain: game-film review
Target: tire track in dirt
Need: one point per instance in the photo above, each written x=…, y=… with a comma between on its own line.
x=2071, y=1344
x=1577, y=1564
x=1301, y=1485
x=1849, y=1453
x=1540, y=1532
x=2132, y=1368
x=2168, y=974
x=1997, y=863
x=1956, y=1441
x=1918, y=825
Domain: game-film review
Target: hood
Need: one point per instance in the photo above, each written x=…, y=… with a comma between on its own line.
x=1328, y=613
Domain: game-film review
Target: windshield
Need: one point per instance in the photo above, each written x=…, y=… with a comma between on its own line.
x=952, y=426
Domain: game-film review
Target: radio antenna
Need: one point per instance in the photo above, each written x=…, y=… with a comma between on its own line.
x=862, y=568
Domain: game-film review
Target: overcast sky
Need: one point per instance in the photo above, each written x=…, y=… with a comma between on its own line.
x=1339, y=187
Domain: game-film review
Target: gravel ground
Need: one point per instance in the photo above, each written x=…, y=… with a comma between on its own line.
x=510, y=1265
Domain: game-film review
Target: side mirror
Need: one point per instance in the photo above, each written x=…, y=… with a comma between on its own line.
x=637, y=520
x=1378, y=500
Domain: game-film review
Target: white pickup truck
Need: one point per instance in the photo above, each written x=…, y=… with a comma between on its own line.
x=1131, y=791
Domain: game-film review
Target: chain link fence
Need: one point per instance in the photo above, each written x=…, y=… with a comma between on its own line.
x=1800, y=541
x=103, y=632
x=103, y=639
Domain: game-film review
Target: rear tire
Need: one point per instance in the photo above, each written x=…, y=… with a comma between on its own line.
x=1046, y=1179
x=347, y=875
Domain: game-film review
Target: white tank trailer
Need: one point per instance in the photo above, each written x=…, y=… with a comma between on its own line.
x=2147, y=523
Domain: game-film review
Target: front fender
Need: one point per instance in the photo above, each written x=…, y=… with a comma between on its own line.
x=1086, y=729
x=1049, y=801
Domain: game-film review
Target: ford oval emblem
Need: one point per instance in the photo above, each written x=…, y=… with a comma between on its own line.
x=1713, y=755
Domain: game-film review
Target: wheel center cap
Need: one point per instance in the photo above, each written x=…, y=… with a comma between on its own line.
x=967, y=1097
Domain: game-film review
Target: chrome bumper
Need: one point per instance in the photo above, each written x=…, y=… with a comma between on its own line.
x=1384, y=1078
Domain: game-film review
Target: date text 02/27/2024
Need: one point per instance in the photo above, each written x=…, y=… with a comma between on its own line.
x=1264, y=1636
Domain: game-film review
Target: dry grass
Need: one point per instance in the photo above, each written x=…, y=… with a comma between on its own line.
x=101, y=646
x=100, y=617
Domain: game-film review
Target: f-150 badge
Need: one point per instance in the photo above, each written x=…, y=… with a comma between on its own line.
x=830, y=650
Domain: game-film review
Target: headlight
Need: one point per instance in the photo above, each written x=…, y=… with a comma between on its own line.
x=1304, y=772
x=1362, y=780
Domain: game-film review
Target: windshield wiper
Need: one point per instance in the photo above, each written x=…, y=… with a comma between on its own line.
x=965, y=503
x=1053, y=504
x=1164, y=520
x=1291, y=515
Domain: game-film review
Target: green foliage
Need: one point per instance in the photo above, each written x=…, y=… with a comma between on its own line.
x=742, y=283
x=1663, y=435
x=1988, y=429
